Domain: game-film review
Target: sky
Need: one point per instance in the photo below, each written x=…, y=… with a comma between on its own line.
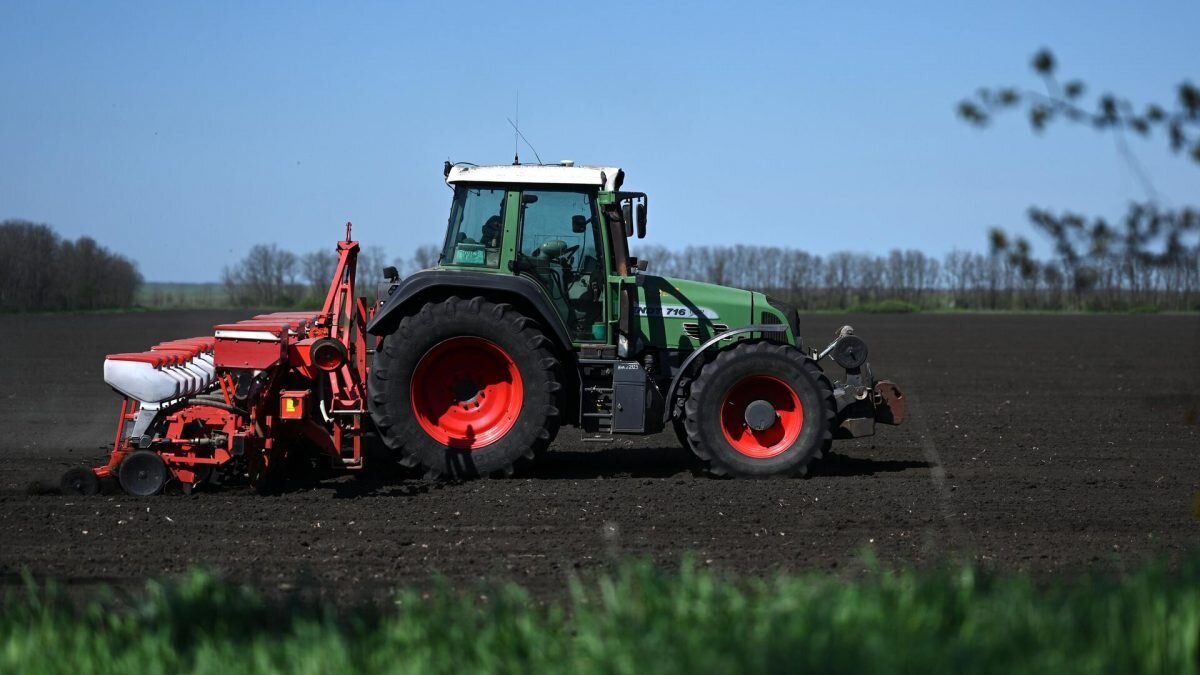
x=180, y=134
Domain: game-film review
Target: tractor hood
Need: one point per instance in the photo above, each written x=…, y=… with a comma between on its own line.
x=680, y=313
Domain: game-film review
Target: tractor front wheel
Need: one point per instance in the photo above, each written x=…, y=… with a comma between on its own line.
x=759, y=410
x=466, y=388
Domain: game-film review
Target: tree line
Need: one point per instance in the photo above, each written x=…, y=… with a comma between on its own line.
x=40, y=271
x=1006, y=278
x=269, y=276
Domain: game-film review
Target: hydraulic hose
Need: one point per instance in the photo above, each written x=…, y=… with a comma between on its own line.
x=215, y=402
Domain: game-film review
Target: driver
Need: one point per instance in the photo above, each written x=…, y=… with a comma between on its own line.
x=491, y=232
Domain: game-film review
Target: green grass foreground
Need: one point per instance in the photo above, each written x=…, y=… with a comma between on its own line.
x=639, y=620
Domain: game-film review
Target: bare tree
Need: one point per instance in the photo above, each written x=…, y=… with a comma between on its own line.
x=1180, y=123
x=1148, y=236
x=265, y=277
x=371, y=261
x=317, y=270
x=423, y=258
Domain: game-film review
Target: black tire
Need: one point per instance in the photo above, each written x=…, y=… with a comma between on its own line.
x=681, y=433
x=745, y=365
x=513, y=336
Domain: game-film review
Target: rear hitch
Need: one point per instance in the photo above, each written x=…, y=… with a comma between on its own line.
x=862, y=401
x=890, y=405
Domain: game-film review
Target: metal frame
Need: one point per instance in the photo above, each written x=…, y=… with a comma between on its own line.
x=237, y=417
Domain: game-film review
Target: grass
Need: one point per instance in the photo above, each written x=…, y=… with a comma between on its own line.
x=166, y=295
x=884, y=307
x=640, y=619
x=155, y=295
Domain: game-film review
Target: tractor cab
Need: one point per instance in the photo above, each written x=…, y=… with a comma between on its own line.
x=564, y=226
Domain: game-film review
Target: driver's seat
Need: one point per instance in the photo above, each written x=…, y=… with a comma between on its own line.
x=551, y=273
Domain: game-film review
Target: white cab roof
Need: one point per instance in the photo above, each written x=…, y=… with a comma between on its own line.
x=607, y=178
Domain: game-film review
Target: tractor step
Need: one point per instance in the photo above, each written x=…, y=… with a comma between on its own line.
x=596, y=399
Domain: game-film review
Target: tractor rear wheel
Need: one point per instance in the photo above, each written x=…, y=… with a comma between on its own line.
x=466, y=388
x=681, y=433
x=760, y=410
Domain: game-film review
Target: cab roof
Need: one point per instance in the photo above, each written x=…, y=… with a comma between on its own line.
x=607, y=178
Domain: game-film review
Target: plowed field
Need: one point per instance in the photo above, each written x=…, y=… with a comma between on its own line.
x=1041, y=443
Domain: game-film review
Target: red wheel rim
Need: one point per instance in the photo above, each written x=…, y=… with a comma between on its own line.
x=466, y=392
x=774, y=439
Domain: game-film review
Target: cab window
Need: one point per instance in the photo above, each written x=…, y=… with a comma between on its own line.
x=560, y=245
x=476, y=227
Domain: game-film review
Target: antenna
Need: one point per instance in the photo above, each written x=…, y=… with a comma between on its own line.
x=522, y=136
x=516, y=147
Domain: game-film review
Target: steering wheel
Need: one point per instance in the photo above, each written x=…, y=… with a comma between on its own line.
x=556, y=248
x=569, y=254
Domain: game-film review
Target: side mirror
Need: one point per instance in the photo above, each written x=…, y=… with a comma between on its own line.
x=579, y=224
x=641, y=220
x=526, y=200
x=627, y=217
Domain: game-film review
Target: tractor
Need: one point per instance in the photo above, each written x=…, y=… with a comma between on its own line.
x=536, y=316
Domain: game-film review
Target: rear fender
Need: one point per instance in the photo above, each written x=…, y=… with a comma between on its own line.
x=436, y=284
x=410, y=295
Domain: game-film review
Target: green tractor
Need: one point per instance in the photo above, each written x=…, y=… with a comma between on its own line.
x=537, y=316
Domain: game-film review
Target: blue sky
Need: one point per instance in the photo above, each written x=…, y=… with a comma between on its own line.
x=182, y=133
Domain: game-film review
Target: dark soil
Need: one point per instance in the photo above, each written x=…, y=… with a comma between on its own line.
x=1052, y=444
